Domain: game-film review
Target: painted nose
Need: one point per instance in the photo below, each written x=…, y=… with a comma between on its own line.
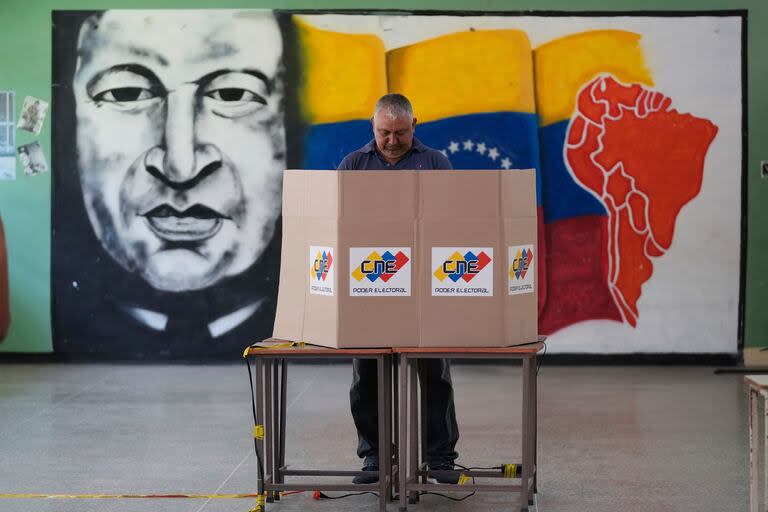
x=181, y=161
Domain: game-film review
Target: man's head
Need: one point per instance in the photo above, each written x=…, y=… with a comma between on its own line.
x=181, y=140
x=393, y=126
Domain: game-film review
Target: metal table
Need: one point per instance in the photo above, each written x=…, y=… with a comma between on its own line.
x=413, y=473
x=271, y=379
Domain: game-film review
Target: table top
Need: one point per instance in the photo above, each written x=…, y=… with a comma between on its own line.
x=757, y=381
x=530, y=348
x=272, y=347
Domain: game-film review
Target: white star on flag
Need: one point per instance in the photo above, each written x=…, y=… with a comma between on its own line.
x=481, y=148
x=468, y=144
x=493, y=153
x=453, y=147
x=444, y=152
x=506, y=163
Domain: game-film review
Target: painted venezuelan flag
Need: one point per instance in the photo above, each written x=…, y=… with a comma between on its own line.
x=576, y=221
x=342, y=77
x=473, y=96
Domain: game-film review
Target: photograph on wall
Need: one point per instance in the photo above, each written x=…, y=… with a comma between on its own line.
x=172, y=130
x=33, y=114
x=32, y=158
x=7, y=135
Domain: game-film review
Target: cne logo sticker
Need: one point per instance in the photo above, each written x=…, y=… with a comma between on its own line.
x=462, y=271
x=380, y=271
x=521, y=269
x=321, y=270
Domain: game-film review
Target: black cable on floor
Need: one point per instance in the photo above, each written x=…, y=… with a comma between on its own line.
x=322, y=495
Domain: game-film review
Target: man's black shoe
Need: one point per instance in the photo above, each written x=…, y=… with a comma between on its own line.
x=370, y=464
x=452, y=478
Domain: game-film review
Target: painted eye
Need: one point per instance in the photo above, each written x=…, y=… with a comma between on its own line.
x=234, y=94
x=125, y=95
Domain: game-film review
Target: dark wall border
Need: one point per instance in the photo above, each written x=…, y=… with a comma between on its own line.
x=575, y=358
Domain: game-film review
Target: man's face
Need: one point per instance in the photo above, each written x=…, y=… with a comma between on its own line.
x=180, y=140
x=394, y=134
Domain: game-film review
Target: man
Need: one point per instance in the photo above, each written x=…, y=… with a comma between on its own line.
x=181, y=144
x=395, y=147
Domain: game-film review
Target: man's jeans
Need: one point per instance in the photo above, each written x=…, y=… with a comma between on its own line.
x=442, y=429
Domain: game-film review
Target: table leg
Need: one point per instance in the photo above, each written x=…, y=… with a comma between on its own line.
x=388, y=423
x=283, y=412
x=259, y=377
x=413, y=418
x=765, y=449
x=383, y=448
x=753, y=460
x=268, y=426
x=395, y=420
x=422, y=415
x=525, y=433
x=403, y=470
x=275, y=425
x=535, y=392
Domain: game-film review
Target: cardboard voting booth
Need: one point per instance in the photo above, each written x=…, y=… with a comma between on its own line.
x=408, y=258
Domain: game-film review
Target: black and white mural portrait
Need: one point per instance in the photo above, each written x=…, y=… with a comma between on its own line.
x=169, y=145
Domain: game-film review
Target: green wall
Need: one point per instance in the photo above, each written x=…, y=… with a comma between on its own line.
x=25, y=66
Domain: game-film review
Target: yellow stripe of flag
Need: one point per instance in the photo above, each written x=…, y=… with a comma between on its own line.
x=465, y=73
x=563, y=66
x=342, y=74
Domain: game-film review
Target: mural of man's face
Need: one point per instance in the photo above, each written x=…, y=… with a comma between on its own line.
x=180, y=140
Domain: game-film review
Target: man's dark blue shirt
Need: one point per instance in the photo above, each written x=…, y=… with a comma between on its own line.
x=419, y=157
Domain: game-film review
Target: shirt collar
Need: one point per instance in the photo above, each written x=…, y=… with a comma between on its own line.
x=370, y=147
x=416, y=146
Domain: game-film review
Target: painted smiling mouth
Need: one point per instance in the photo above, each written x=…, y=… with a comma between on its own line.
x=195, y=224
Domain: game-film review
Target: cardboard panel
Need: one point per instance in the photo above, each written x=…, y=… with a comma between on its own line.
x=379, y=320
x=378, y=194
x=476, y=317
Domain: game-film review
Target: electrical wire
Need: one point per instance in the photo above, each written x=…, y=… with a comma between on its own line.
x=321, y=495
x=541, y=360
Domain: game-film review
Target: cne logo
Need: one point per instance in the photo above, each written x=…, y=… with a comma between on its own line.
x=380, y=266
x=522, y=271
x=322, y=265
x=462, y=266
x=521, y=262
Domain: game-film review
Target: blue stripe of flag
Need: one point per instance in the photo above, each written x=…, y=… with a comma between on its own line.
x=513, y=135
x=563, y=197
x=493, y=140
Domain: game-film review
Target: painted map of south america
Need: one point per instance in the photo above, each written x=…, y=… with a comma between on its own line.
x=643, y=160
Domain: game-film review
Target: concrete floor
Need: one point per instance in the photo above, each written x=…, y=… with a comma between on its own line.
x=626, y=439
